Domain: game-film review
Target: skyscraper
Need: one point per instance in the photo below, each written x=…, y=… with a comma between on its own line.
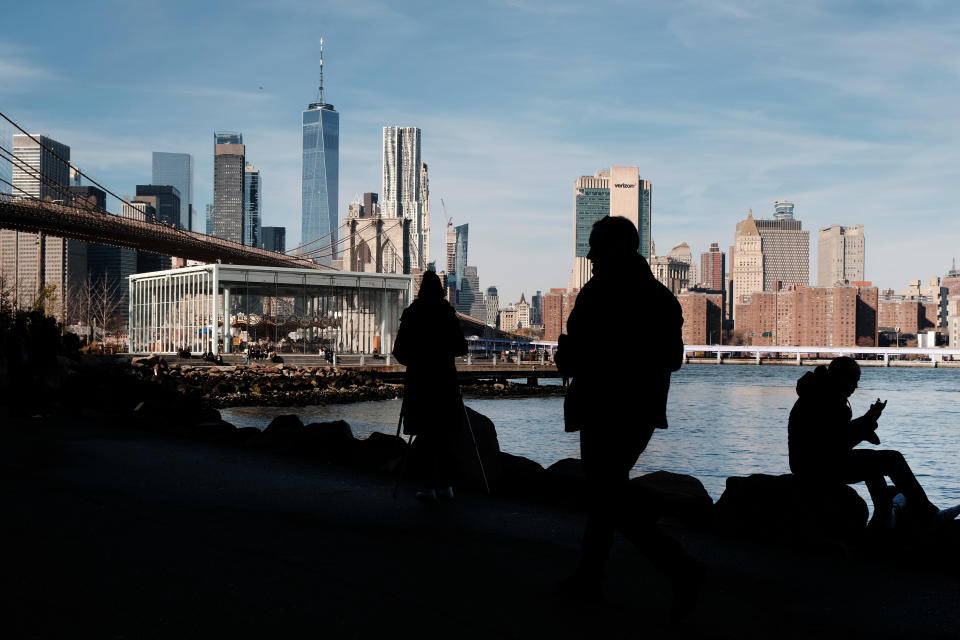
x=403, y=192
x=618, y=191
x=746, y=269
x=275, y=239
x=252, y=217
x=321, y=175
x=176, y=169
x=29, y=261
x=228, y=163
x=461, y=234
x=786, y=252
x=425, y=216
x=209, y=218
x=769, y=254
x=491, y=303
x=713, y=268
x=165, y=200
x=6, y=168
x=840, y=255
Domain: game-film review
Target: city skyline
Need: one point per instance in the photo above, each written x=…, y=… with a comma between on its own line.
x=730, y=119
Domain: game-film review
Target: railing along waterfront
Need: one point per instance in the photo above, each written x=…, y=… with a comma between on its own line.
x=870, y=356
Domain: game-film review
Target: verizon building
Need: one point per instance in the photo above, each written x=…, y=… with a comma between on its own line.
x=618, y=191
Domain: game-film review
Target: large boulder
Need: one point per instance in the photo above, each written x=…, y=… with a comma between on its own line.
x=487, y=447
x=563, y=483
x=284, y=434
x=473, y=444
x=675, y=495
x=519, y=476
x=785, y=509
x=379, y=452
x=330, y=441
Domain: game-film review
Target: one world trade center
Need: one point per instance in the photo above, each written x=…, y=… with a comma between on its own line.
x=321, y=176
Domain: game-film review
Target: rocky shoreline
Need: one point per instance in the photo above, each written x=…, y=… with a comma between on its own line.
x=279, y=385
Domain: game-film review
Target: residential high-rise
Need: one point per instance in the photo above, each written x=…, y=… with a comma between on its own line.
x=29, y=261
x=460, y=255
x=402, y=190
x=557, y=305
x=713, y=268
x=228, y=164
x=451, y=249
x=320, y=186
x=274, y=239
x=425, y=216
x=840, y=255
x=165, y=200
x=176, y=169
x=618, y=191
x=252, y=198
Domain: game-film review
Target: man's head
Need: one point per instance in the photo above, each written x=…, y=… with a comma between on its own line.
x=430, y=287
x=613, y=240
x=845, y=374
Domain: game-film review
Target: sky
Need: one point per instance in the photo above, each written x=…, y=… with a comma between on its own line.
x=849, y=109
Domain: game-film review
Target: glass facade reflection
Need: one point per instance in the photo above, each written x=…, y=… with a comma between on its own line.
x=176, y=169
x=592, y=204
x=321, y=179
x=252, y=218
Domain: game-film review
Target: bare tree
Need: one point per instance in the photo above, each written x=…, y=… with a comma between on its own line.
x=94, y=303
x=106, y=302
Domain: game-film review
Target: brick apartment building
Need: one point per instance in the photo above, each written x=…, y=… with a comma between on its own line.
x=843, y=316
x=557, y=305
x=702, y=317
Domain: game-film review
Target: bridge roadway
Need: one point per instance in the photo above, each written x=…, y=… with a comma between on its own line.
x=103, y=227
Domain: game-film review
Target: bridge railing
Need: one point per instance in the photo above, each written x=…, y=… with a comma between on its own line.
x=798, y=353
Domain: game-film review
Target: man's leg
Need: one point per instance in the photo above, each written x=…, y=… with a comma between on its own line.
x=870, y=465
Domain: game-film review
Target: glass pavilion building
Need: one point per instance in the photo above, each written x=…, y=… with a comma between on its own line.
x=216, y=307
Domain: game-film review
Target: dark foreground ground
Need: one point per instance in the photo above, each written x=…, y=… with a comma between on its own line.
x=126, y=535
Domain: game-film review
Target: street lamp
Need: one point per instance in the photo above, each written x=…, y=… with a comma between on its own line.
x=897, y=329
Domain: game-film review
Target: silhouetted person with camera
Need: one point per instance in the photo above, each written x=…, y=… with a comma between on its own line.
x=427, y=342
x=822, y=434
x=616, y=403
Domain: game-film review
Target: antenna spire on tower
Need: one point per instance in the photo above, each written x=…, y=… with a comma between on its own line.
x=320, y=87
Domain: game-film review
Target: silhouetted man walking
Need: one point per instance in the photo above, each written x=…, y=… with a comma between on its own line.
x=616, y=403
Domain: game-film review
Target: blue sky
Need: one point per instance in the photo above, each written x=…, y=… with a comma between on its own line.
x=847, y=108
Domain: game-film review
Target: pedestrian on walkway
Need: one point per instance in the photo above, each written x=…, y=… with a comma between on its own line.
x=427, y=342
x=616, y=405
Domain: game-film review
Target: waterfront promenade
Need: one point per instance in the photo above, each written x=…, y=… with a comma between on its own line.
x=120, y=533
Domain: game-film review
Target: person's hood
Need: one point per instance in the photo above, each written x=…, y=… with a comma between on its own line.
x=813, y=383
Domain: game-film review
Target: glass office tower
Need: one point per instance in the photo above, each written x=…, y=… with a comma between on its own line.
x=252, y=218
x=320, y=186
x=176, y=169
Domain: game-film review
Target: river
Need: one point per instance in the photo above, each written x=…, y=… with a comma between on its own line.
x=724, y=421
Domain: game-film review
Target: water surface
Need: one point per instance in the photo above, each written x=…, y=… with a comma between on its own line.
x=724, y=421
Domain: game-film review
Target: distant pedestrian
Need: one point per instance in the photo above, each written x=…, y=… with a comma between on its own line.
x=428, y=341
x=616, y=406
